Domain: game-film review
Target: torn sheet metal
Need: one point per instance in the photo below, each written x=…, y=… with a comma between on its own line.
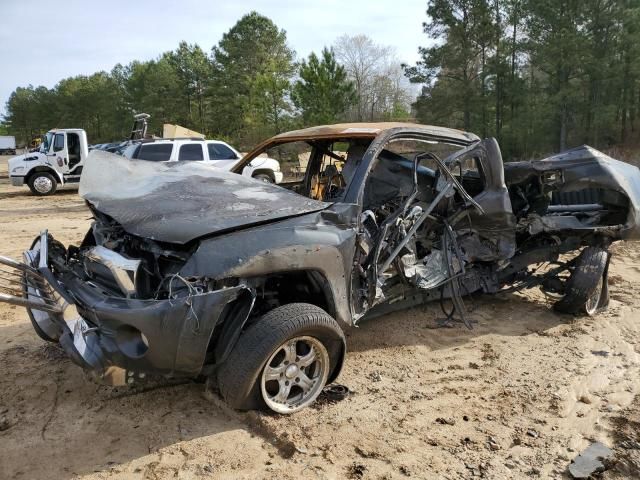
x=431, y=272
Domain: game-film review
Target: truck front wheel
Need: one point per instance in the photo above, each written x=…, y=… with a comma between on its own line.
x=42, y=184
x=283, y=361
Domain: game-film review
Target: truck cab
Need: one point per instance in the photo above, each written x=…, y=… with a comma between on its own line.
x=57, y=162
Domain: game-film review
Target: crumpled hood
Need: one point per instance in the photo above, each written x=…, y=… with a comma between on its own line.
x=177, y=202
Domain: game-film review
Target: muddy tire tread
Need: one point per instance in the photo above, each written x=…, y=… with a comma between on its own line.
x=591, y=265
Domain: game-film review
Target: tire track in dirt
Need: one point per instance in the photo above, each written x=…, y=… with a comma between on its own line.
x=25, y=193
x=44, y=211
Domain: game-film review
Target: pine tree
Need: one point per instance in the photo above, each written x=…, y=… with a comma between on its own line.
x=252, y=69
x=323, y=92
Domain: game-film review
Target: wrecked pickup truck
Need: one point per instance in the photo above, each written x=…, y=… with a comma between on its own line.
x=199, y=273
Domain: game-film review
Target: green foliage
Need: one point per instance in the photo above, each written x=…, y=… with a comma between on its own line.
x=252, y=69
x=323, y=93
x=193, y=69
x=31, y=111
x=540, y=75
x=154, y=88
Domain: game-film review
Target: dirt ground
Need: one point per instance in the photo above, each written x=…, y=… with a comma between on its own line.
x=518, y=396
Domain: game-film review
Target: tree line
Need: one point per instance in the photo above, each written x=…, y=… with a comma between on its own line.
x=248, y=87
x=539, y=75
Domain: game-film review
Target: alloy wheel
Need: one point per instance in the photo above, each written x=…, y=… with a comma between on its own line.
x=295, y=374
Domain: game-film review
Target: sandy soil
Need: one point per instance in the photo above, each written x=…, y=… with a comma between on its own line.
x=519, y=396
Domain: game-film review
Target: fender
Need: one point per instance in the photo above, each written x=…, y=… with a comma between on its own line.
x=321, y=241
x=45, y=166
x=262, y=165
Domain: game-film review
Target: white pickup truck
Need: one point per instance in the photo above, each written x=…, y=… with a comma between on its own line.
x=219, y=154
x=58, y=161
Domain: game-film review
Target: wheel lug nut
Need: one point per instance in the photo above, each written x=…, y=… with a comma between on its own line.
x=287, y=383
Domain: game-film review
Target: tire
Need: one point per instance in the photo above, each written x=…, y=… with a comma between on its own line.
x=587, y=291
x=263, y=177
x=30, y=312
x=42, y=184
x=243, y=379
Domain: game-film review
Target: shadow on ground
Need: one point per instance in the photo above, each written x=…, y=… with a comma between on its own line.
x=419, y=327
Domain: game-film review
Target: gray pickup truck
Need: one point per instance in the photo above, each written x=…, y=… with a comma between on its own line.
x=192, y=272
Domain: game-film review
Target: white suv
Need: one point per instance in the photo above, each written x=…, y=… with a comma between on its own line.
x=218, y=154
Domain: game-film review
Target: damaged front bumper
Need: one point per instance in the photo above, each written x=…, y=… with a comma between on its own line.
x=118, y=339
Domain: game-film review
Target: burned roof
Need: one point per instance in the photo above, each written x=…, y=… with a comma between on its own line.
x=340, y=131
x=369, y=130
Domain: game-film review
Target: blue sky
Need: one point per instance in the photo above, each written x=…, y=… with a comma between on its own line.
x=42, y=42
